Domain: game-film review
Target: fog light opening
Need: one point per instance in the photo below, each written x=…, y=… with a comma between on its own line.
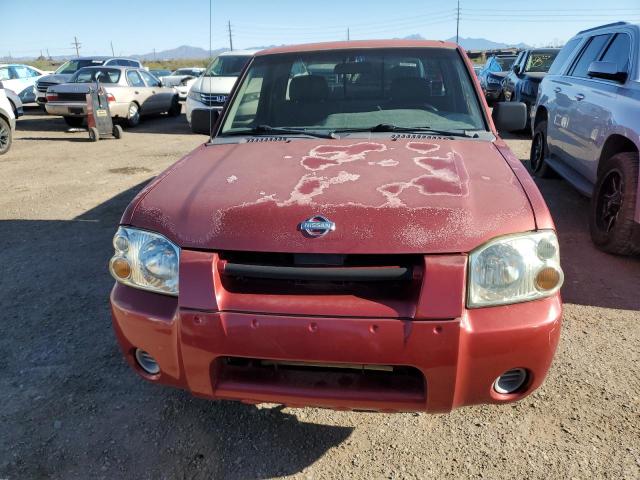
x=147, y=362
x=510, y=381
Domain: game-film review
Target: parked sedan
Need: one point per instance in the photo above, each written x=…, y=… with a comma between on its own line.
x=7, y=122
x=492, y=75
x=521, y=83
x=160, y=74
x=21, y=79
x=132, y=93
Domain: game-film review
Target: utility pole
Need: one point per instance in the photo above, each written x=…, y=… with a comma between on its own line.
x=77, y=44
x=458, y=22
x=112, y=52
x=230, y=37
x=348, y=35
x=48, y=56
x=154, y=54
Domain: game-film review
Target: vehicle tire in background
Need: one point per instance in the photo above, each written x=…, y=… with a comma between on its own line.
x=133, y=117
x=94, y=134
x=5, y=136
x=176, y=107
x=74, y=121
x=539, y=151
x=117, y=131
x=613, y=204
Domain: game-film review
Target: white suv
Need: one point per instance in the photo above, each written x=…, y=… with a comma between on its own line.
x=211, y=89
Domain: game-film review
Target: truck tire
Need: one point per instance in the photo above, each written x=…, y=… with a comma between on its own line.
x=539, y=152
x=613, y=205
x=74, y=121
x=5, y=136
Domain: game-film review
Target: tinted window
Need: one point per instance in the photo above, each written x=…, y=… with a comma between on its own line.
x=135, y=80
x=104, y=75
x=618, y=52
x=357, y=89
x=115, y=63
x=150, y=79
x=589, y=54
x=505, y=62
x=129, y=63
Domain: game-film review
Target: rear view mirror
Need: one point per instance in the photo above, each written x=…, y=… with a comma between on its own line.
x=509, y=116
x=606, y=71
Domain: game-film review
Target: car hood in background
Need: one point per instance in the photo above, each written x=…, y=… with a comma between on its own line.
x=56, y=78
x=384, y=196
x=173, y=80
x=215, y=84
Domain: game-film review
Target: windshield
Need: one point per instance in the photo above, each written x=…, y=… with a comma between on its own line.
x=505, y=62
x=227, y=66
x=357, y=90
x=104, y=75
x=540, y=61
x=72, y=66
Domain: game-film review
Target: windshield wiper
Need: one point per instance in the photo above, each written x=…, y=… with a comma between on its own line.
x=388, y=127
x=269, y=130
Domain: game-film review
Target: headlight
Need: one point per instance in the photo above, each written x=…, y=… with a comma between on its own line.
x=145, y=260
x=194, y=95
x=514, y=269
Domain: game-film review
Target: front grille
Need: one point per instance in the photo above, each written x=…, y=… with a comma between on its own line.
x=213, y=99
x=42, y=86
x=72, y=97
x=385, y=281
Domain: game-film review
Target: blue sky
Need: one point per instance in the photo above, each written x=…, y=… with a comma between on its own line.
x=139, y=26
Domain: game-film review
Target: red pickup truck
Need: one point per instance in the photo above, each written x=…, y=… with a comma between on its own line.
x=355, y=235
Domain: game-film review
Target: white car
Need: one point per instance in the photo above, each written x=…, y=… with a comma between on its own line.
x=210, y=91
x=7, y=122
x=21, y=79
x=182, y=79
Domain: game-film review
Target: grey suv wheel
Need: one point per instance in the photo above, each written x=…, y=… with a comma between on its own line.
x=5, y=136
x=613, y=204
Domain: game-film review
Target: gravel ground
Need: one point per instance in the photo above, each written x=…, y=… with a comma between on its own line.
x=71, y=408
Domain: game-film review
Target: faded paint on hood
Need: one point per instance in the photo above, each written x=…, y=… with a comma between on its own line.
x=385, y=196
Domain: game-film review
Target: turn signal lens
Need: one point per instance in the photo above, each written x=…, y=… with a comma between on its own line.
x=120, y=267
x=548, y=278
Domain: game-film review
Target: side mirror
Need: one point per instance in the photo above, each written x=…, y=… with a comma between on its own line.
x=516, y=69
x=204, y=121
x=509, y=116
x=606, y=71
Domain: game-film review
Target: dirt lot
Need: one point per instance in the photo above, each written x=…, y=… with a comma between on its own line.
x=71, y=408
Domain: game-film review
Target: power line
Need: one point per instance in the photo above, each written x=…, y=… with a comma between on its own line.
x=77, y=44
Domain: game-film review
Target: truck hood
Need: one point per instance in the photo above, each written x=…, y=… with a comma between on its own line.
x=385, y=196
x=221, y=85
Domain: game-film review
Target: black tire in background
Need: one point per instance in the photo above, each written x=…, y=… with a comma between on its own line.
x=611, y=220
x=133, y=118
x=74, y=121
x=6, y=136
x=176, y=107
x=539, y=151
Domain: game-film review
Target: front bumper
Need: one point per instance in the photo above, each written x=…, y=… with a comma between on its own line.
x=458, y=359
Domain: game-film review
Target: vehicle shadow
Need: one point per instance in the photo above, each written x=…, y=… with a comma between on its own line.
x=72, y=408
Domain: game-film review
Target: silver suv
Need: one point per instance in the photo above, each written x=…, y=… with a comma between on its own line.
x=586, y=128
